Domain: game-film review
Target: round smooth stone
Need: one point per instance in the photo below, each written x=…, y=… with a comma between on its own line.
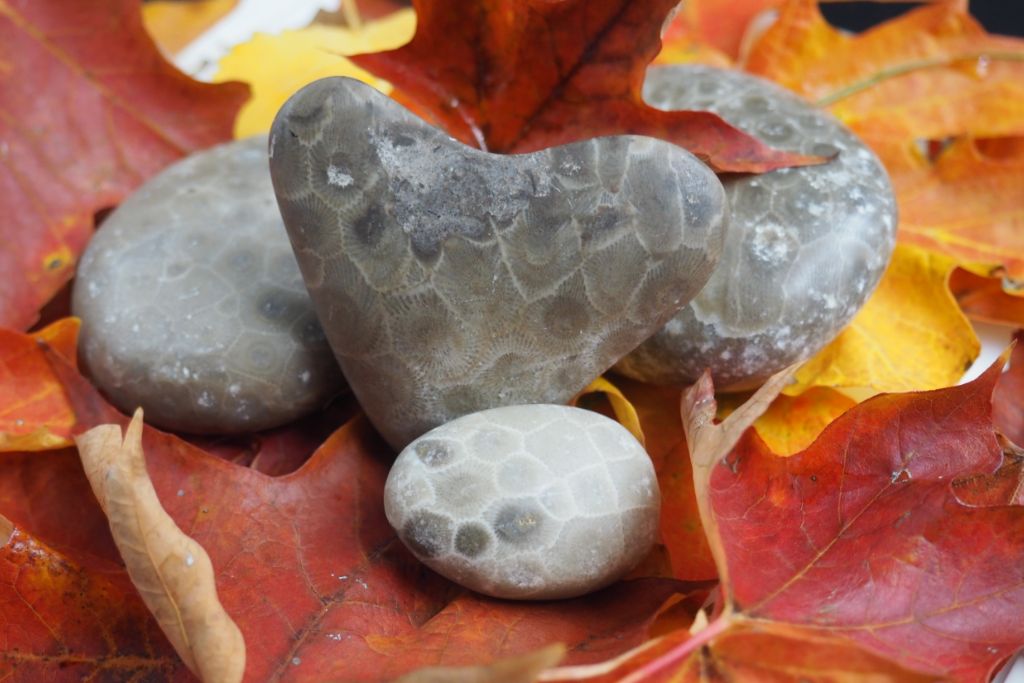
x=805, y=248
x=192, y=304
x=526, y=502
x=451, y=280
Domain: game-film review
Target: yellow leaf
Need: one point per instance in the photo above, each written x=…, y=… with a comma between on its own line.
x=171, y=571
x=174, y=24
x=276, y=66
x=910, y=335
x=625, y=413
x=792, y=423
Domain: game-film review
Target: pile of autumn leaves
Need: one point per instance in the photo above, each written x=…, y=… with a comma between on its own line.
x=890, y=544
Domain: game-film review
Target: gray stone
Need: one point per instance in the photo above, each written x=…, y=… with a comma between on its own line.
x=806, y=246
x=526, y=502
x=450, y=280
x=193, y=307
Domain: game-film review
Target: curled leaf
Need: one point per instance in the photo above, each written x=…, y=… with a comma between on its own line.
x=624, y=411
x=171, y=571
x=709, y=443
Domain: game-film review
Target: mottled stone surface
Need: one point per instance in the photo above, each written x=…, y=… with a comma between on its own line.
x=192, y=304
x=450, y=280
x=806, y=246
x=526, y=502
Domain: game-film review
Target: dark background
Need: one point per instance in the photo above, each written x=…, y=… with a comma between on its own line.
x=998, y=16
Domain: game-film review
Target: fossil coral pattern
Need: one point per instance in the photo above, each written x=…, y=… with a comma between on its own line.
x=192, y=304
x=450, y=280
x=806, y=246
x=535, y=502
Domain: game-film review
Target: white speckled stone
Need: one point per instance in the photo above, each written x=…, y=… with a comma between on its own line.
x=526, y=502
x=805, y=247
x=192, y=304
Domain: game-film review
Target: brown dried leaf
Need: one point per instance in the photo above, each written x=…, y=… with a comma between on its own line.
x=172, y=572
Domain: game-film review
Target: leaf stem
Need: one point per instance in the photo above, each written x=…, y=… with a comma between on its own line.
x=350, y=9
x=903, y=69
x=676, y=655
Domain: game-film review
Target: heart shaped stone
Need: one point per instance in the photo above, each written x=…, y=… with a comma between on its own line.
x=450, y=280
x=806, y=246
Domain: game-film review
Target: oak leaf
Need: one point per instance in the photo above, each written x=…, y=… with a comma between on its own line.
x=111, y=114
x=318, y=583
x=517, y=76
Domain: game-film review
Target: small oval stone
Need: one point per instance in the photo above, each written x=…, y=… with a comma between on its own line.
x=526, y=502
x=452, y=280
x=193, y=307
x=805, y=249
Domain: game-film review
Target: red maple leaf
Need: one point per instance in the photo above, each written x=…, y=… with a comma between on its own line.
x=84, y=119
x=522, y=75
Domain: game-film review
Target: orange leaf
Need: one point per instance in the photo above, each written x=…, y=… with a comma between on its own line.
x=807, y=55
x=718, y=26
x=893, y=86
x=60, y=621
x=658, y=411
x=967, y=205
x=746, y=652
x=34, y=413
x=84, y=120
